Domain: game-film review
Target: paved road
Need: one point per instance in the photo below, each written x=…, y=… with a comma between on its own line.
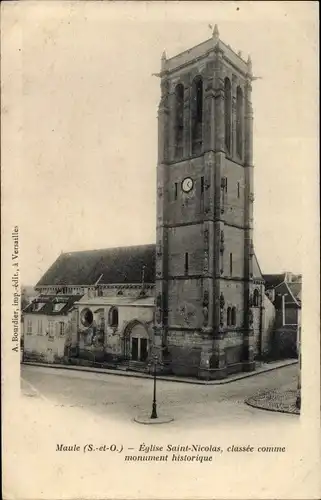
x=70, y=407
x=126, y=397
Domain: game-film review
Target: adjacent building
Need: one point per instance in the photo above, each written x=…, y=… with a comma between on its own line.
x=45, y=327
x=284, y=291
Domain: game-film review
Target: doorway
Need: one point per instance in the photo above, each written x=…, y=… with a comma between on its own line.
x=139, y=350
x=135, y=349
x=143, y=349
x=136, y=342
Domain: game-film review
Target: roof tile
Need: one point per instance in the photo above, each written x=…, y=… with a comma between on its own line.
x=116, y=265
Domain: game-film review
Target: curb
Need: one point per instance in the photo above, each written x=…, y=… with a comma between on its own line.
x=271, y=409
x=146, y=420
x=160, y=377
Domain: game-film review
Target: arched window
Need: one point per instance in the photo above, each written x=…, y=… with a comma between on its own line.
x=256, y=298
x=179, y=119
x=228, y=316
x=227, y=113
x=233, y=316
x=239, y=122
x=86, y=317
x=113, y=317
x=197, y=115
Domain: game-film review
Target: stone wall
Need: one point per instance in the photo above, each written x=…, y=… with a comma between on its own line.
x=185, y=303
x=43, y=349
x=268, y=326
x=234, y=196
x=39, y=345
x=182, y=240
x=233, y=346
x=285, y=342
x=234, y=244
x=184, y=352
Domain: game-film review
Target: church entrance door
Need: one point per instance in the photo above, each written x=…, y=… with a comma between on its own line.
x=135, y=349
x=136, y=342
x=139, y=349
x=143, y=349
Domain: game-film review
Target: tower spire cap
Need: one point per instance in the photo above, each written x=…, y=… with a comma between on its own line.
x=163, y=60
x=216, y=33
x=249, y=64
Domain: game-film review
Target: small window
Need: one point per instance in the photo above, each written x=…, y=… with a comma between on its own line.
x=176, y=190
x=29, y=327
x=231, y=264
x=256, y=298
x=38, y=305
x=179, y=119
x=51, y=332
x=62, y=328
x=202, y=184
x=239, y=122
x=227, y=113
x=186, y=263
x=197, y=115
x=58, y=306
x=39, y=327
x=233, y=316
x=238, y=189
x=224, y=184
x=228, y=316
x=113, y=317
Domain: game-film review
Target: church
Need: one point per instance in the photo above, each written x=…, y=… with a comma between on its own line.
x=196, y=297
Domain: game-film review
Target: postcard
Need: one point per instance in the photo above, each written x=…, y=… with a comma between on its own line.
x=160, y=250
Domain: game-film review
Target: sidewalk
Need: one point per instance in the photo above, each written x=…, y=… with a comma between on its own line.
x=277, y=400
x=265, y=367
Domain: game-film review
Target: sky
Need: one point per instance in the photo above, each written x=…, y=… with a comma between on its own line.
x=86, y=101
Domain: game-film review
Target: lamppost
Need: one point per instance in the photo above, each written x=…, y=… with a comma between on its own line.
x=154, y=362
x=153, y=418
x=154, y=410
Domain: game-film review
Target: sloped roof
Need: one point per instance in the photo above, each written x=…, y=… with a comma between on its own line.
x=285, y=290
x=273, y=280
x=295, y=289
x=257, y=274
x=111, y=265
x=67, y=301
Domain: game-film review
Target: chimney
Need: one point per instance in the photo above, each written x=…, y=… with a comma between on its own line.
x=288, y=277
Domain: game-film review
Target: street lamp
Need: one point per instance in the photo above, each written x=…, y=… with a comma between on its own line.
x=154, y=362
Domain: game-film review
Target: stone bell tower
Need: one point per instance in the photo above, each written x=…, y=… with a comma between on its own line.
x=204, y=246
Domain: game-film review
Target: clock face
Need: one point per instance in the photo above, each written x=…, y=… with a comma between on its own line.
x=187, y=184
